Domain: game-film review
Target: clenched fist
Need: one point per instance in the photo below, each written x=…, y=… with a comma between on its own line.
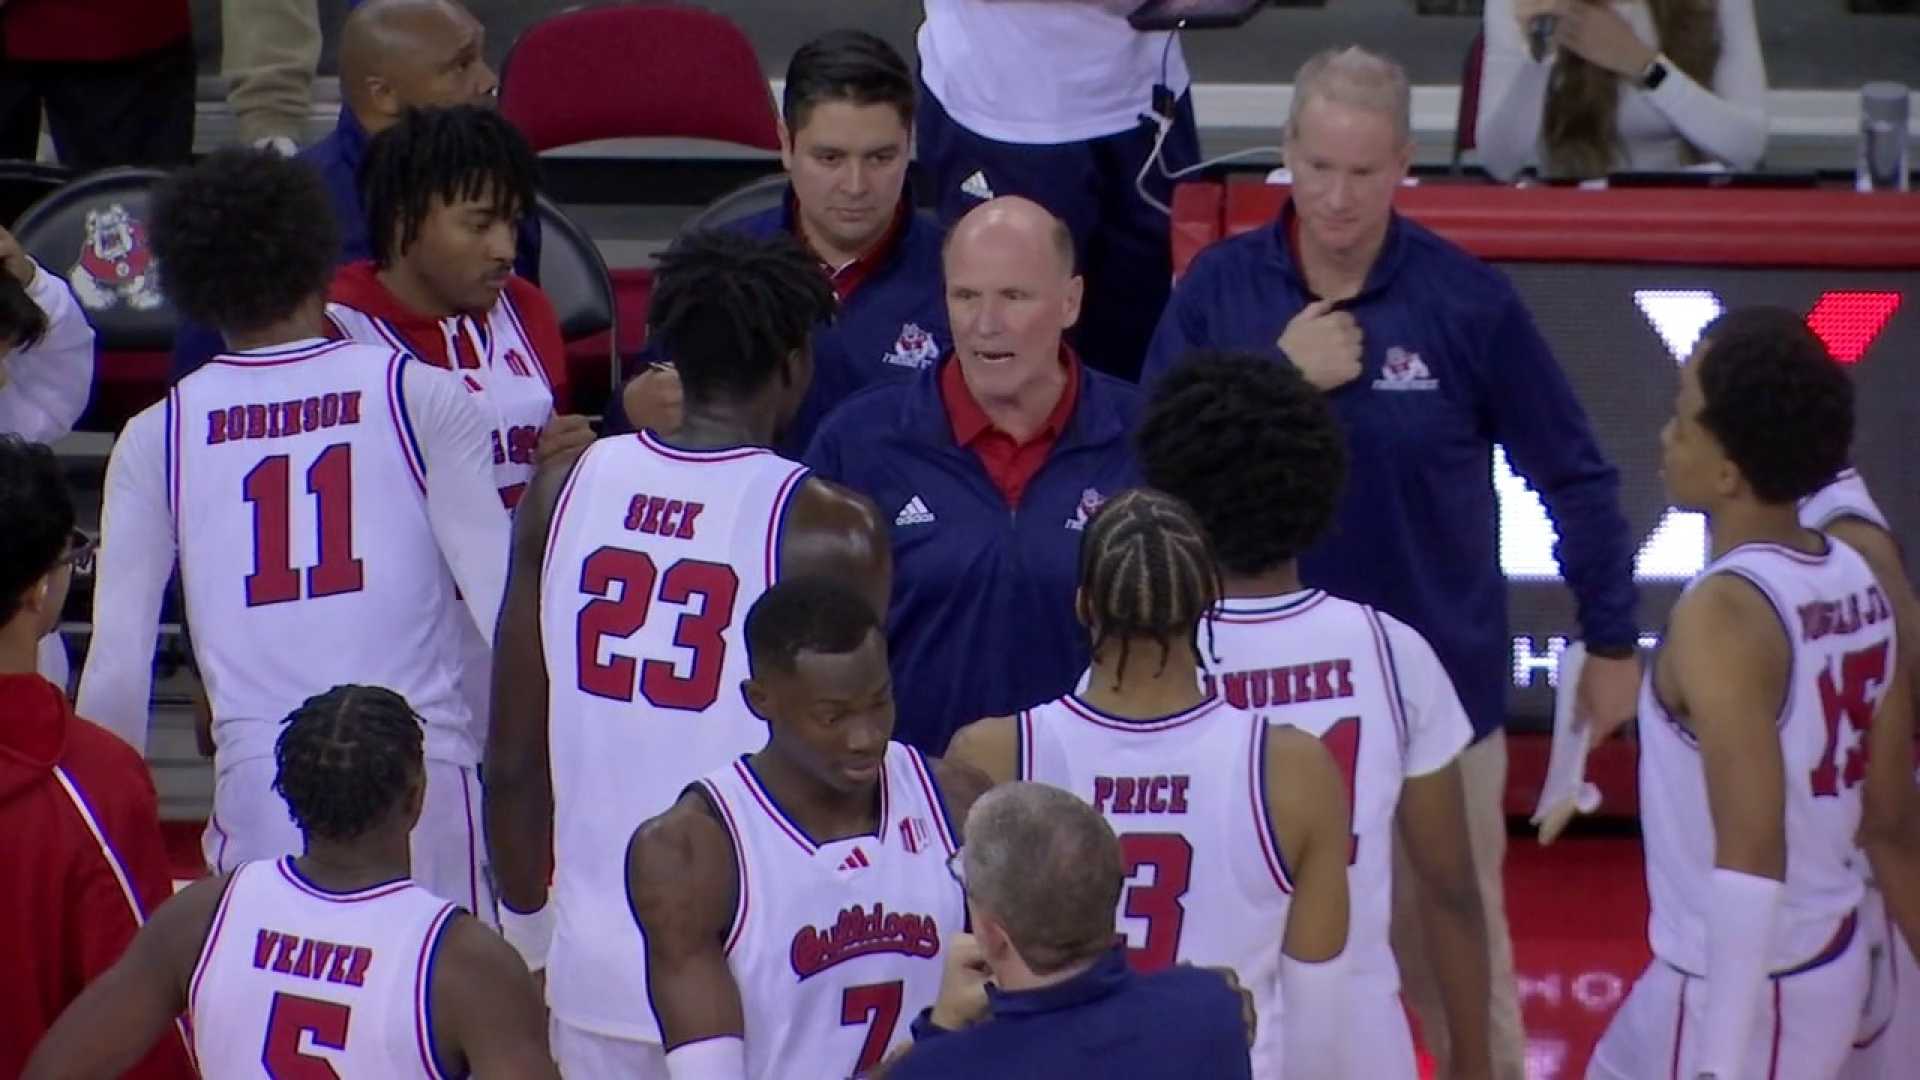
x=1324, y=344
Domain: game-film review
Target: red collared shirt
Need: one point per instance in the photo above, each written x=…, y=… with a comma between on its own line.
x=847, y=279
x=1010, y=465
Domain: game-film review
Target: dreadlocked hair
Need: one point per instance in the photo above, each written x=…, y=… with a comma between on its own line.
x=452, y=154
x=1146, y=571
x=728, y=309
x=345, y=758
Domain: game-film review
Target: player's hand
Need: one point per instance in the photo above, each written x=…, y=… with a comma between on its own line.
x=963, y=984
x=652, y=400
x=1324, y=344
x=562, y=435
x=13, y=257
x=1608, y=695
x=1596, y=33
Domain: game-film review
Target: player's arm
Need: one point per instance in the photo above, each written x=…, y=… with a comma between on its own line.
x=44, y=387
x=488, y=1018
x=1890, y=818
x=1730, y=656
x=463, y=501
x=990, y=746
x=835, y=532
x=114, y=1022
x=1307, y=812
x=961, y=785
x=682, y=885
x=517, y=800
x=130, y=578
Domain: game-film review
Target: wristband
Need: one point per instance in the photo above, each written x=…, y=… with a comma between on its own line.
x=529, y=932
x=717, y=1057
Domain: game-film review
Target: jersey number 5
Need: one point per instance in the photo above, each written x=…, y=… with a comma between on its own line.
x=289, y=1019
x=330, y=481
x=1169, y=856
x=624, y=582
x=1846, y=703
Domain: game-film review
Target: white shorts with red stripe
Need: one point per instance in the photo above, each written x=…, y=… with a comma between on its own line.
x=250, y=822
x=1804, y=1029
x=1887, y=1045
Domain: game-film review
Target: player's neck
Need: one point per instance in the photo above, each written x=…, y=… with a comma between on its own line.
x=1278, y=581
x=412, y=292
x=1143, y=688
x=368, y=862
x=303, y=325
x=1735, y=524
x=826, y=814
x=19, y=647
x=716, y=424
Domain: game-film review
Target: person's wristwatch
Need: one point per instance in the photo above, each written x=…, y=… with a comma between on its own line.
x=1656, y=72
x=1614, y=651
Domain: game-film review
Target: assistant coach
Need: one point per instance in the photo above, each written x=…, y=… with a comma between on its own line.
x=1430, y=358
x=989, y=465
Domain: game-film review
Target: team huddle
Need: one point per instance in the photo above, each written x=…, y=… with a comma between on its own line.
x=620, y=712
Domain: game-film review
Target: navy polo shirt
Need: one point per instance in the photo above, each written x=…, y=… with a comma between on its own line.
x=1453, y=364
x=1176, y=1024
x=337, y=158
x=893, y=325
x=982, y=620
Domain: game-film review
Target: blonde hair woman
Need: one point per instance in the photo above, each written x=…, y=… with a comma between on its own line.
x=1626, y=85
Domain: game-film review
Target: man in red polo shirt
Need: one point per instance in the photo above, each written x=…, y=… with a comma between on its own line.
x=989, y=464
x=84, y=860
x=115, y=77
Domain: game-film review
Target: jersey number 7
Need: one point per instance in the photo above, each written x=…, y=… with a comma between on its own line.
x=624, y=581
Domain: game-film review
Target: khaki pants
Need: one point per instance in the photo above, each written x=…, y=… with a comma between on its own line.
x=270, y=51
x=1483, y=777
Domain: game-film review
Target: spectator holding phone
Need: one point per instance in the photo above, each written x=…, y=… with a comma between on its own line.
x=1583, y=88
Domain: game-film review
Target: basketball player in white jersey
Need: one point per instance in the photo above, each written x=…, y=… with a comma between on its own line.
x=1888, y=1042
x=1234, y=832
x=1255, y=451
x=620, y=656
x=328, y=963
x=1756, y=720
x=796, y=900
x=332, y=508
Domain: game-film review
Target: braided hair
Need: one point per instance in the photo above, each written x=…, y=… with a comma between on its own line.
x=728, y=308
x=1147, y=571
x=451, y=154
x=345, y=760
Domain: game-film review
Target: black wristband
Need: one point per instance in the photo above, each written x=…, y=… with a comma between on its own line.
x=1612, y=650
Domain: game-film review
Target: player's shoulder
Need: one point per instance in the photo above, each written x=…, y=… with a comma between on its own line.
x=823, y=506
x=470, y=953
x=679, y=850
x=1298, y=767
x=1726, y=608
x=960, y=783
x=988, y=746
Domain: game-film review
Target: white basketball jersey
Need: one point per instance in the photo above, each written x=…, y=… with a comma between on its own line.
x=1371, y=689
x=297, y=981
x=1844, y=496
x=298, y=494
x=1206, y=882
x=836, y=946
x=494, y=359
x=1840, y=627
x=653, y=558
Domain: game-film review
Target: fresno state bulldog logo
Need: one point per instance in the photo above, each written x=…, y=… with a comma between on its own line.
x=1404, y=370
x=115, y=264
x=914, y=348
x=1090, y=503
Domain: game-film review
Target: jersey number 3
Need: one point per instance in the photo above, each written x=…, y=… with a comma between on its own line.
x=1846, y=704
x=289, y=1021
x=268, y=487
x=624, y=582
x=1169, y=856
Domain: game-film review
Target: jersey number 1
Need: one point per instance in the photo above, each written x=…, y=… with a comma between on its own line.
x=329, y=480
x=624, y=582
x=1846, y=704
x=290, y=1017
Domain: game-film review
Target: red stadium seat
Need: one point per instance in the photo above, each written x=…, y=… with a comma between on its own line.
x=93, y=232
x=637, y=71
x=1466, y=124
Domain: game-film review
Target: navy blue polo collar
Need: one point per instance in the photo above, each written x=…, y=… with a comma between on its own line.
x=1386, y=265
x=1095, y=420
x=896, y=244
x=353, y=139
x=1104, y=979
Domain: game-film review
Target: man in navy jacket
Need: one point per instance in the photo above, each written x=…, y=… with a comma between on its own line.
x=1430, y=359
x=989, y=466
x=847, y=123
x=394, y=55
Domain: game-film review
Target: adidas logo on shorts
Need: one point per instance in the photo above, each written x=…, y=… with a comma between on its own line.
x=914, y=513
